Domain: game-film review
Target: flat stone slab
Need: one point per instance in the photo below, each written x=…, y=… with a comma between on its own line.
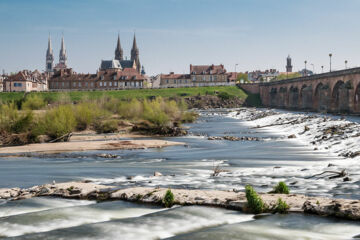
x=341, y=208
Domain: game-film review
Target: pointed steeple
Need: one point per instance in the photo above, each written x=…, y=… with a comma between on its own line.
x=49, y=49
x=134, y=43
x=118, y=51
x=62, y=55
x=135, y=55
x=49, y=57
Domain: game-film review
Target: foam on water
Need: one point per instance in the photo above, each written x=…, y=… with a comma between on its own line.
x=158, y=225
x=280, y=227
x=38, y=204
x=47, y=220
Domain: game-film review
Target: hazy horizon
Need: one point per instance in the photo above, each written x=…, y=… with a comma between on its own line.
x=172, y=34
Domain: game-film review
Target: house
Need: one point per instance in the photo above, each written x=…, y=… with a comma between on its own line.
x=263, y=76
x=173, y=80
x=199, y=75
x=109, y=79
x=26, y=81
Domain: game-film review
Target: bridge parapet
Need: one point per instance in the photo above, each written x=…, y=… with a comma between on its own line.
x=337, y=91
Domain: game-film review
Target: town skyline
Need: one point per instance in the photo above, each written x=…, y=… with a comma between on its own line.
x=170, y=45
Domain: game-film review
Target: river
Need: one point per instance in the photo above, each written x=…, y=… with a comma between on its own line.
x=260, y=163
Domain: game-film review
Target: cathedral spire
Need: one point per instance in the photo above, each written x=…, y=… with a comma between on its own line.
x=118, y=51
x=135, y=55
x=134, y=47
x=63, y=55
x=49, y=57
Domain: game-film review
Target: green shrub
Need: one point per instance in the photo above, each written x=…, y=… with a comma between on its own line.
x=86, y=114
x=254, y=201
x=59, y=121
x=225, y=96
x=108, y=126
x=281, y=188
x=155, y=114
x=281, y=206
x=169, y=199
x=130, y=110
x=33, y=102
x=23, y=123
x=189, y=117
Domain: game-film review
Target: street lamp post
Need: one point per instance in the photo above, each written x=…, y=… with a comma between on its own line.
x=346, y=64
x=330, y=55
x=305, y=68
x=322, y=69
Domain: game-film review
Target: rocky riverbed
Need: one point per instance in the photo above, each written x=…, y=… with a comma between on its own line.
x=341, y=208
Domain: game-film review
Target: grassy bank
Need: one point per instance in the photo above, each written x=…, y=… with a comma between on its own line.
x=104, y=115
x=51, y=97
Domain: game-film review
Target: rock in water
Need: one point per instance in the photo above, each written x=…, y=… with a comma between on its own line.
x=157, y=174
x=292, y=136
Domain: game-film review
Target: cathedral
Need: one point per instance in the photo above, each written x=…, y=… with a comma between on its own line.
x=120, y=63
x=50, y=57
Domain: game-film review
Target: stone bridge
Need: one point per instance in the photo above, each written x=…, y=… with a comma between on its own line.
x=337, y=91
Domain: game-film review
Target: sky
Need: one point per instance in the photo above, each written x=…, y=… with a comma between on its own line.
x=172, y=34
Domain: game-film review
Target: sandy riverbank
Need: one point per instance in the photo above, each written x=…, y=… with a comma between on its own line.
x=342, y=208
x=81, y=145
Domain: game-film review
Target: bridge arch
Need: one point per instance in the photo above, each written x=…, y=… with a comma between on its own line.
x=357, y=99
x=306, y=96
x=340, y=96
x=273, y=97
x=293, y=97
x=282, y=97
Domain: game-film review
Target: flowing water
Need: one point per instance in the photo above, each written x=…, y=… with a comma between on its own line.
x=261, y=163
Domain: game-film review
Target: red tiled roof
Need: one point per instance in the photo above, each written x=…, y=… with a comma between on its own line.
x=207, y=69
x=174, y=76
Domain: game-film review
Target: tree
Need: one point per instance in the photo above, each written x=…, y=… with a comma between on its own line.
x=242, y=77
x=285, y=76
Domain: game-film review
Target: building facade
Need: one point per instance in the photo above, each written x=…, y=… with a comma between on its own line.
x=26, y=81
x=263, y=76
x=199, y=76
x=2, y=78
x=110, y=79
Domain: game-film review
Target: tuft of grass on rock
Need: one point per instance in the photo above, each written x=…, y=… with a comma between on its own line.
x=168, y=199
x=254, y=201
x=281, y=188
x=281, y=207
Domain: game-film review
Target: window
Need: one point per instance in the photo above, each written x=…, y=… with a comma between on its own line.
x=194, y=78
x=174, y=81
x=63, y=84
x=86, y=84
x=214, y=78
x=74, y=84
x=79, y=84
x=114, y=77
x=167, y=81
x=105, y=84
x=211, y=78
x=110, y=84
x=17, y=84
x=102, y=77
x=101, y=84
x=203, y=78
x=92, y=84
x=115, y=84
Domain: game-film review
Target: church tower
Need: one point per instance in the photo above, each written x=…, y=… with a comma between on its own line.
x=49, y=57
x=288, y=64
x=63, y=55
x=119, y=54
x=135, y=55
